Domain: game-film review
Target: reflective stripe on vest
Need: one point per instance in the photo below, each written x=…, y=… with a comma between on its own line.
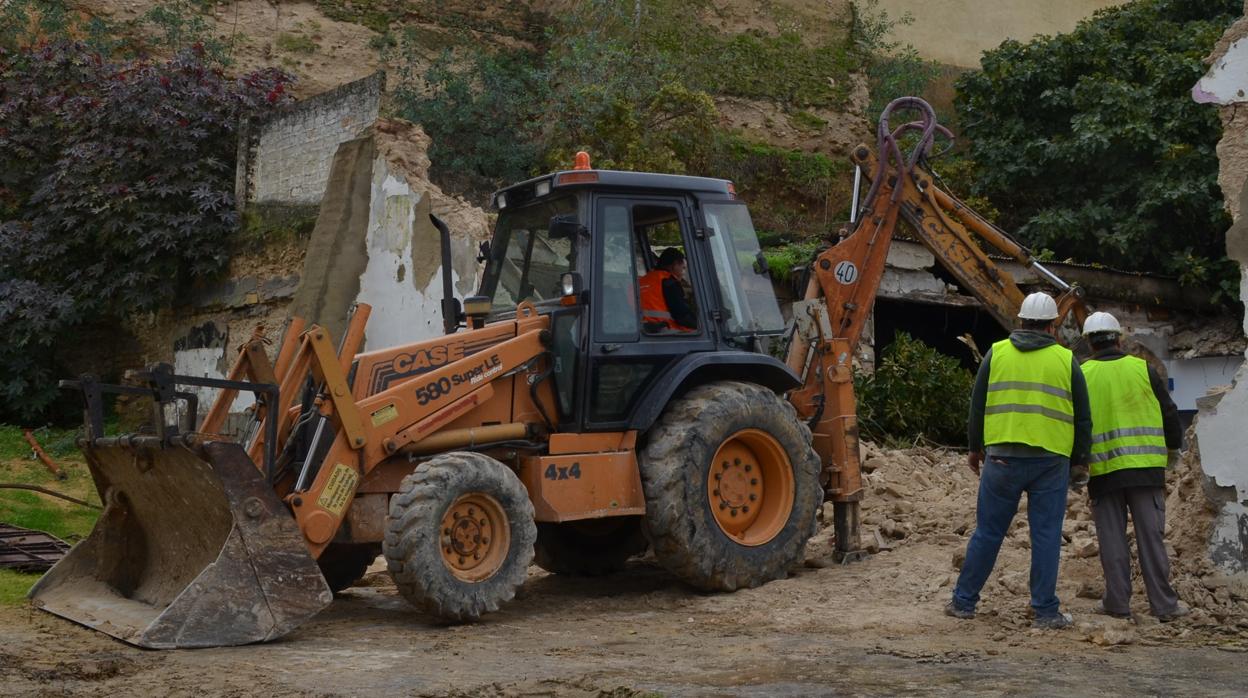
x=1029, y=398
x=653, y=304
x=1126, y=417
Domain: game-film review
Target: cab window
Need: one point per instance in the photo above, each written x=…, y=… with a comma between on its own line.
x=526, y=259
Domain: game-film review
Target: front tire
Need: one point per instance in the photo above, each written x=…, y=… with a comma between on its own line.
x=459, y=537
x=731, y=485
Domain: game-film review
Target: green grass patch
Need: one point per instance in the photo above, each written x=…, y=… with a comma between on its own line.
x=295, y=43
x=28, y=509
x=807, y=121
x=14, y=585
x=784, y=259
x=275, y=224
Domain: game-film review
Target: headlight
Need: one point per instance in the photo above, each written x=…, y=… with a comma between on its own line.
x=542, y=188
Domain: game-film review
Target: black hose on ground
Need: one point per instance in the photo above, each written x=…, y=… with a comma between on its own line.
x=44, y=490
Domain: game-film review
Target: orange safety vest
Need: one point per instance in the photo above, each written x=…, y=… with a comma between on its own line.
x=653, y=305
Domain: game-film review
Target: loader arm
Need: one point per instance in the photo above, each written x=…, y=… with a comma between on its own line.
x=845, y=278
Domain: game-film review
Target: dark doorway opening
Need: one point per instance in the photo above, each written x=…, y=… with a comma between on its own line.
x=937, y=326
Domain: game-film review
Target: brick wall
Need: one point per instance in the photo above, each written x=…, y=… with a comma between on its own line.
x=286, y=158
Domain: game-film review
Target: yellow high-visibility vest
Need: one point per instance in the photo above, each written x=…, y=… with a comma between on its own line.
x=1126, y=416
x=1029, y=398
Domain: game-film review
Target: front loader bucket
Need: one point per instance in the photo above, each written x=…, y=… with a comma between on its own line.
x=193, y=549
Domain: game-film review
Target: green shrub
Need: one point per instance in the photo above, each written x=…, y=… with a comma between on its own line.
x=915, y=392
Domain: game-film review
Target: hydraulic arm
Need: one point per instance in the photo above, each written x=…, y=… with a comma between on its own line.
x=845, y=278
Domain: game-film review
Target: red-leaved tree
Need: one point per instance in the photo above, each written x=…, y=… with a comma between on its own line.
x=116, y=191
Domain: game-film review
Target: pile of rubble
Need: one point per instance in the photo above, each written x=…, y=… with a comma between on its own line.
x=923, y=499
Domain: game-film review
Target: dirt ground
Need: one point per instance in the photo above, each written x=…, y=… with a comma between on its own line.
x=868, y=628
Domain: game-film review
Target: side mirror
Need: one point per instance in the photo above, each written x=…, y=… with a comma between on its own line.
x=570, y=284
x=760, y=263
x=566, y=226
x=483, y=251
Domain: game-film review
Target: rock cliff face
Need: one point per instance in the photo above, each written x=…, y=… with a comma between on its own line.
x=1223, y=440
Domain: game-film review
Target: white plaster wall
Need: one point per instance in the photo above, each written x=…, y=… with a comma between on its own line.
x=1221, y=429
x=399, y=245
x=1192, y=379
x=206, y=362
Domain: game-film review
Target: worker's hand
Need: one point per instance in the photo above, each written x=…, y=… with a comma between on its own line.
x=973, y=459
x=1173, y=456
x=1078, y=476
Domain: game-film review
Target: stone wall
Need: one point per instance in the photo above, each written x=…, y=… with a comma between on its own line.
x=286, y=159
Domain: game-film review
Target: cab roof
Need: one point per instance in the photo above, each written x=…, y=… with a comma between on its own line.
x=547, y=184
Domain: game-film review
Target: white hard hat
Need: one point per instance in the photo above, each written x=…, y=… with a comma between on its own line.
x=1038, y=306
x=1101, y=322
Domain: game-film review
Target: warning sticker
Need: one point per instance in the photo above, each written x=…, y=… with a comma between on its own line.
x=386, y=414
x=339, y=490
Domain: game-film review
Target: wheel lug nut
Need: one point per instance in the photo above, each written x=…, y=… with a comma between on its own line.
x=471, y=511
x=746, y=508
x=455, y=515
x=753, y=497
x=719, y=476
x=485, y=541
x=753, y=481
x=716, y=493
x=723, y=505
x=725, y=465
x=734, y=512
x=476, y=556
x=748, y=467
x=461, y=560
x=736, y=461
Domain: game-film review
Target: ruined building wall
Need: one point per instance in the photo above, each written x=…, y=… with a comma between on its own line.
x=285, y=159
x=1220, y=429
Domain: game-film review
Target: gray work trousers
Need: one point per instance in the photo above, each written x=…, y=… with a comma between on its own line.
x=1148, y=513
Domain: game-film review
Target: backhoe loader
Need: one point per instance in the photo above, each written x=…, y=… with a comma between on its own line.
x=549, y=424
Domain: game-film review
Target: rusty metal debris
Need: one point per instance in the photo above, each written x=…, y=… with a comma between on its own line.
x=25, y=550
x=43, y=456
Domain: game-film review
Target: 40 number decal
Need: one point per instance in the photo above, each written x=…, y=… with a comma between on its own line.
x=845, y=272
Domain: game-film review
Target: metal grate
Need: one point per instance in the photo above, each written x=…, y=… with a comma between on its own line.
x=25, y=550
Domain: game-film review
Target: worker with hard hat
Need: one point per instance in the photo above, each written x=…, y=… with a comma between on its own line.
x=1135, y=434
x=1029, y=422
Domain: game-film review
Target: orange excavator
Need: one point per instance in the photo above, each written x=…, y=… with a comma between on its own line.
x=548, y=425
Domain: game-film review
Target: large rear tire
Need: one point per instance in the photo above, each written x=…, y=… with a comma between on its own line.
x=459, y=537
x=589, y=548
x=343, y=564
x=731, y=485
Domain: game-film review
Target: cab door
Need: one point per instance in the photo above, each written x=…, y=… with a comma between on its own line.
x=623, y=358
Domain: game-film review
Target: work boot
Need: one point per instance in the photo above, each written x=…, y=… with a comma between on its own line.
x=1179, y=611
x=952, y=610
x=1100, y=610
x=1057, y=622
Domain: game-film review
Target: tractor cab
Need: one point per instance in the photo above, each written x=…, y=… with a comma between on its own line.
x=583, y=245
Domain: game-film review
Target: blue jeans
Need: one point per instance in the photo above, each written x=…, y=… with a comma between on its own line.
x=1002, y=483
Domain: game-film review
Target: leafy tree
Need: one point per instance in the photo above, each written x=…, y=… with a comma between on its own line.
x=116, y=191
x=1089, y=144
